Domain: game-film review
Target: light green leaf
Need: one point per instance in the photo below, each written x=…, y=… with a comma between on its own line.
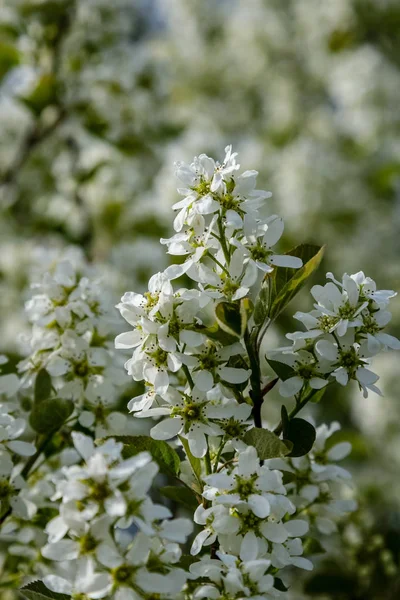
x=316, y=395
x=285, y=283
x=181, y=495
x=36, y=590
x=50, y=414
x=232, y=317
x=167, y=459
x=43, y=386
x=43, y=95
x=267, y=444
x=9, y=58
x=261, y=305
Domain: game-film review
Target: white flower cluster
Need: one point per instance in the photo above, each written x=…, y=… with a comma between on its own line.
x=69, y=312
x=250, y=515
x=343, y=333
x=197, y=353
x=89, y=541
x=12, y=426
x=318, y=487
x=224, y=242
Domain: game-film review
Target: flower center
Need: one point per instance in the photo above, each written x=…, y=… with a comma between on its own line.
x=327, y=323
x=245, y=487
x=122, y=574
x=87, y=544
x=159, y=357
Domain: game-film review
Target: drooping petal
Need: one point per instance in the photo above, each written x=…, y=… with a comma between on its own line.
x=166, y=429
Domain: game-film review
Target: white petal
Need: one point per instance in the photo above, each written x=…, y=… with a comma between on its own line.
x=285, y=260
x=389, y=340
x=197, y=444
x=339, y=451
x=22, y=448
x=275, y=532
x=274, y=232
x=232, y=375
x=302, y=563
x=317, y=383
x=259, y=505
x=249, y=547
x=166, y=429
x=366, y=377
x=204, y=381
x=57, y=584
x=296, y=528
x=327, y=350
x=62, y=550
x=128, y=339
x=291, y=386
x=191, y=338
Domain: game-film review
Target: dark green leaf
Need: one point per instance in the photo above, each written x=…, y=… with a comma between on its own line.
x=302, y=435
x=285, y=419
x=50, y=414
x=36, y=590
x=162, y=453
x=232, y=317
x=181, y=495
x=331, y=583
x=195, y=463
x=283, y=371
x=285, y=283
x=279, y=585
x=43, y=386
x=267, y=444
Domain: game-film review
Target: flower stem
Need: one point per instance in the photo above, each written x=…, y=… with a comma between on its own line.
x=188, y=376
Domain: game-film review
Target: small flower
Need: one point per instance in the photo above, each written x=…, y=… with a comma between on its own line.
x=349, y=361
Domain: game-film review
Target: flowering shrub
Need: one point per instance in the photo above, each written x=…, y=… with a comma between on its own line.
x=247, y=503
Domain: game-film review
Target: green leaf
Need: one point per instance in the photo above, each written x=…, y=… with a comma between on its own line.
x=195, y=463
x=281, y=369
x=216, y=333
x=313, y=546
x=285, y=283
x=44, y=94
x=285, y=419
x=36, y=590
x=302, y=435
x=9, y=58
x=186, y=560
x=43, y=385
x=50, y=414
x=261, y=305
x=181, y=495
x=232, y=317
x=167, y=459
x=315, y=395
x=267, y=444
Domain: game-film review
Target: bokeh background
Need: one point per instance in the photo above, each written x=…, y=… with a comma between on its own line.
x=98, y=98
